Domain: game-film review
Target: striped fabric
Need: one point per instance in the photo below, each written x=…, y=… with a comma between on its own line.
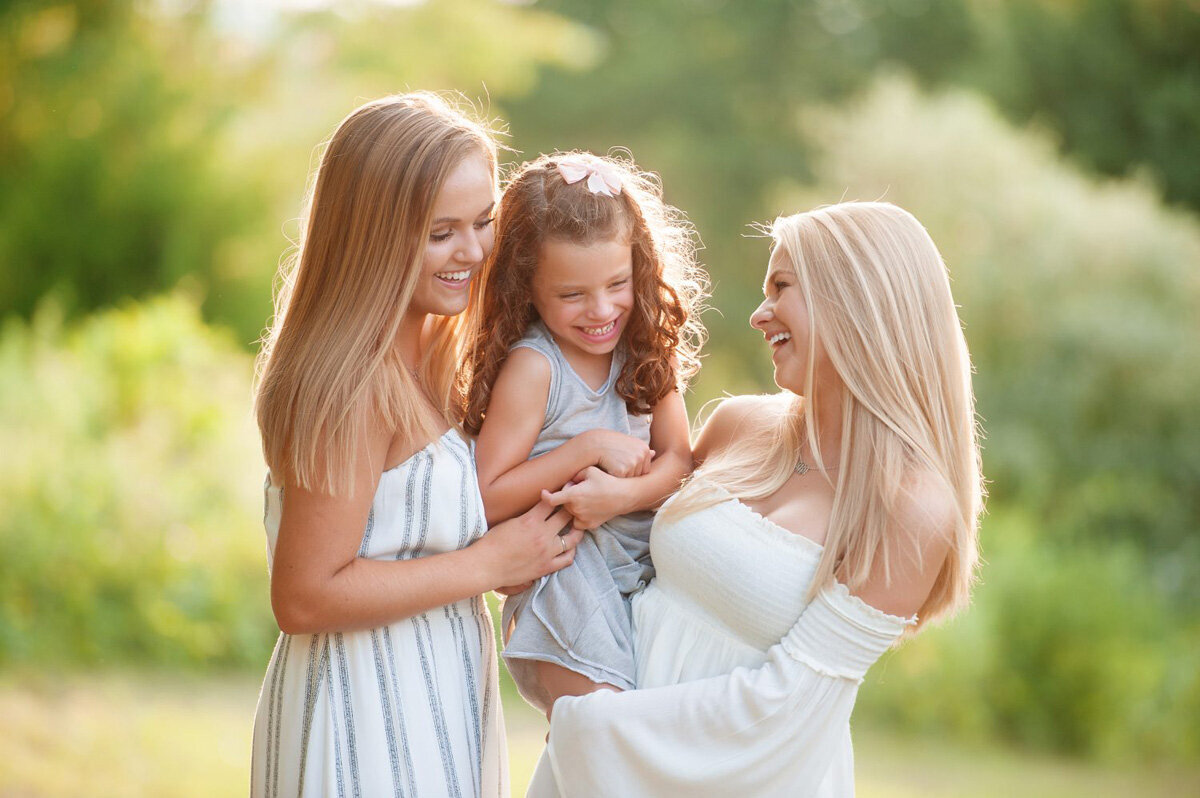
x=409, y=709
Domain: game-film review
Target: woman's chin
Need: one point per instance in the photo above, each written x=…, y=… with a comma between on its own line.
x=784, y=381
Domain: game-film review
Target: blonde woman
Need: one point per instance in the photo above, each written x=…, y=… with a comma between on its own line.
x=822, y=524
x=384, y=679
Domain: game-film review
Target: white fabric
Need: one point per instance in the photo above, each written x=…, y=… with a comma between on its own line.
x=729, y=585
x=722, y=716
x=411, y=708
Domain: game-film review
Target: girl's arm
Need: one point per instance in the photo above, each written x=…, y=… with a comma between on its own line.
x=597, y=496
x=320, y=584
x=509, y=481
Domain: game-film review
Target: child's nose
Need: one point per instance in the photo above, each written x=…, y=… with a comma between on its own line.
x=601, y=307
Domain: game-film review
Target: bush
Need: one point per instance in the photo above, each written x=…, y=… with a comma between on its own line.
x=128, y=534
x=1070, y=651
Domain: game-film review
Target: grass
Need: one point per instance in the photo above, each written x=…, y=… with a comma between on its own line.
x=125, y=735
x=169, y=736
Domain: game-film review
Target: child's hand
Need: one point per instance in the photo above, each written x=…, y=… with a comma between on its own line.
x=593, y=498
x=618, y=454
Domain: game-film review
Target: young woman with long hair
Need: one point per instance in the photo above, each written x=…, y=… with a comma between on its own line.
x=384, y=679
x=821, y=525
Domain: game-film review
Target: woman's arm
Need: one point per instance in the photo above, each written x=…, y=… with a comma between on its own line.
x=320, y=584
x=509, y=481
x=921, y=531
x=597, y=496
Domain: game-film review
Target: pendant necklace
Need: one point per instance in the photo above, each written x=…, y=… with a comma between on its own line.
x=803, y=467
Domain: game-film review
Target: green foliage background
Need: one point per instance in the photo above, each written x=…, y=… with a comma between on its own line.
x=153, y=157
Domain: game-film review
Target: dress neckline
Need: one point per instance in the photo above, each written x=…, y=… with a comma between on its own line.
x=413, y=456
x=614, y=367
x=768, y=524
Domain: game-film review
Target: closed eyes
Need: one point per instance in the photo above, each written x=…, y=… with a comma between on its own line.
x=482, y=224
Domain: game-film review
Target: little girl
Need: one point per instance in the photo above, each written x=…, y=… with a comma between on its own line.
x=586, y=334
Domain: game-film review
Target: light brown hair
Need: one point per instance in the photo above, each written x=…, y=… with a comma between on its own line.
x=328, y=367
x=664, y=333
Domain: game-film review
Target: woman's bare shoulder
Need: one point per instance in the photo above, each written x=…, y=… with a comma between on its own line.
x=737, y=416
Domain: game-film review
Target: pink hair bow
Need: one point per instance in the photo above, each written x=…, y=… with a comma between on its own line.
x=601, y=177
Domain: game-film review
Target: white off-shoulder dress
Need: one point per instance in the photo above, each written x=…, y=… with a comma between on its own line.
x=745, y=687
x=411, y=708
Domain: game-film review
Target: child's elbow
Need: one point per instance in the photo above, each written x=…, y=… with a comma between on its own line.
x=682, y=464
x=494, y=514
x=492, y=511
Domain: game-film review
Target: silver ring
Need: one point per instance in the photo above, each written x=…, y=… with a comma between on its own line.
x=563, y=541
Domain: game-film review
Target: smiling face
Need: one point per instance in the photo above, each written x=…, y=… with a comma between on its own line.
x=584, y=294
x=784, y=320
x=460, y=239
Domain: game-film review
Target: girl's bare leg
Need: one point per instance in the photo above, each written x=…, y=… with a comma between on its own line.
x=558, y=681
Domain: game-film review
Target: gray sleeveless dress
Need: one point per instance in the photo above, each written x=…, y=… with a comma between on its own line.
x=579, y=617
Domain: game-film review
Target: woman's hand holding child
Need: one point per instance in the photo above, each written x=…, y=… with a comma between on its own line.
x=529, y=546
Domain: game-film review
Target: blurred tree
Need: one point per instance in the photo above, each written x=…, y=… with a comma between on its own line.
x=143, y=143
x=1119, y=80
x=109, y=120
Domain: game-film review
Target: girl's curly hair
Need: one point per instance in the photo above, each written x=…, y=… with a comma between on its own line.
x=664, y=333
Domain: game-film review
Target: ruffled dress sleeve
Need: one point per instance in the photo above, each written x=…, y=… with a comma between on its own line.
x=770, y=730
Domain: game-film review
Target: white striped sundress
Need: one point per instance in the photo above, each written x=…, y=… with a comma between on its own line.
x=407, y=709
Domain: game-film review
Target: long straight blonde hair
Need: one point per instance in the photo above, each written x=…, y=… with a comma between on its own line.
x=879, y=300
x=329, y=368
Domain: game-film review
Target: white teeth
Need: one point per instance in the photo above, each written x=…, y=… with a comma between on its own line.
x=779, y=338
x=455, y=276
x=605, y=330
